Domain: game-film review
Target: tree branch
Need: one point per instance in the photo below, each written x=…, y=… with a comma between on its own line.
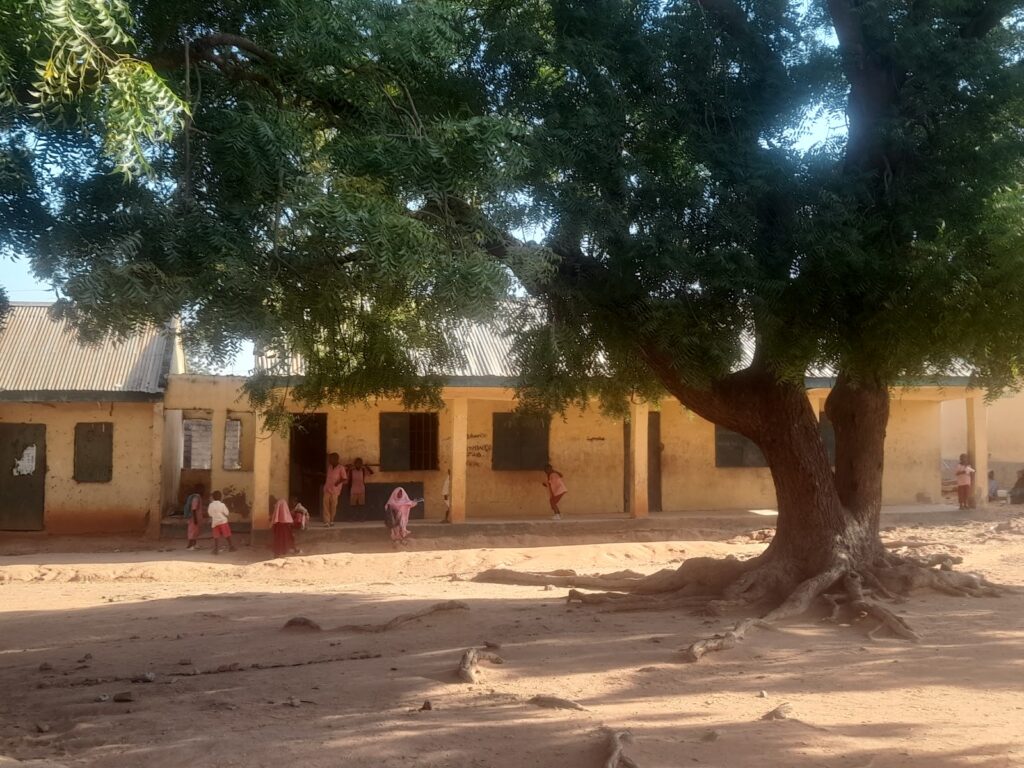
x=734, y=22
x=987, y=16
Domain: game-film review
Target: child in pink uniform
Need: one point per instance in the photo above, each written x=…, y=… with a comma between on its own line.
x=556, y=489
x=336, y=478
x=964, y=481
x=399, y=505
x=194, y=515
x=357, y=474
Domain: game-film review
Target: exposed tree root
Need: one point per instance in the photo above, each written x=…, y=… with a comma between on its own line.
x=469, y=666
x=621, y=602
x=621, y=580
x=617, y=741
x=448, y=605
x=555, y=702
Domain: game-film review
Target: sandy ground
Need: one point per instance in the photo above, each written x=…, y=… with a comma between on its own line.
x=76, y=628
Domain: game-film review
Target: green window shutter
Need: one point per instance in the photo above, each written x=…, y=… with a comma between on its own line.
x=94, y=452
x=533, y=442
x=734, y=450
x=394, y=442
x=504, y=443
x=519, y=442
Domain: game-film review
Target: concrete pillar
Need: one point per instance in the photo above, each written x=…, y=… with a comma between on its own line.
x=262, y=461
x=638, y=420
x=460, y=433
x=977, y=445
x=156, y=472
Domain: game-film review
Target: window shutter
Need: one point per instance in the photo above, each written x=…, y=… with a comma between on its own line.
x=533, y=442
x=504, y=444
x=734, y=450
x=94, y=452
x=394, y=442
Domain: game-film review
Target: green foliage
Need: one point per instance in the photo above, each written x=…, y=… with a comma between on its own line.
x=352, y=175
x=85, y=74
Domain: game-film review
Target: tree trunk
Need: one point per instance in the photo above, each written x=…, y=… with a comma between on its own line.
x=814, y=529
x=859, y=413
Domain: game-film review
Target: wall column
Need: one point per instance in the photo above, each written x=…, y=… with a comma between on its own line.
x=460, y=432
x=262, y=461
x=977, y=445
x=156, y=470
x=638, y=420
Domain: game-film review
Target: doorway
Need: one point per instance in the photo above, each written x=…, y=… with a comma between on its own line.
x=653, y=462
x=307, y=457
x=22, y=476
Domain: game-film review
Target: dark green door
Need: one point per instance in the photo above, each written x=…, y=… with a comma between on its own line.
x=22, y=476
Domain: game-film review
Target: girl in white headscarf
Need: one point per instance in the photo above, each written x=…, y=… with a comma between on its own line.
x=396, y=514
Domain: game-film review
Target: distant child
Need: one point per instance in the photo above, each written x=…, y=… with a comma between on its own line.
x=281, y=524
x=218, y=512
x=332, y=488
x=396, y=514
x=194, y=515
x=299, y=514
x=357, y=474
x=556, y=489
x=964, y=481
x=993, y=486
x=446, y=491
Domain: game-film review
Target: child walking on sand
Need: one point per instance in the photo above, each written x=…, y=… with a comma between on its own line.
x=218, y=512
x=556, y=489
x=396, y=514
x=194, y=515
x=964, y=481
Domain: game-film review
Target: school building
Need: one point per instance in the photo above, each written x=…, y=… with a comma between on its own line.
x=110, y=439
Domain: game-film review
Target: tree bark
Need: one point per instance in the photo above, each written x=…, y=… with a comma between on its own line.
x=859, y=412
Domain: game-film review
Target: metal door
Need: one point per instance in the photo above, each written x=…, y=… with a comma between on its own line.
x=22, y=476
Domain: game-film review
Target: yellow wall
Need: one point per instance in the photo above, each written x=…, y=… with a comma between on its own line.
x=690, y=479
x=586, y=447
x=223, y=398
x=912, y=453
x=1005, y=435
x=121, y=505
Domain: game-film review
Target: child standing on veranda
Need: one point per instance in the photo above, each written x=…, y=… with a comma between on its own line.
x=336, y=478
x=357, y=474
x=194, y=515
x=556, y=489
x=964, y=481
x=218, y=512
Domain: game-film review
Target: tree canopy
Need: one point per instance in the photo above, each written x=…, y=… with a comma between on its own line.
x=353, y=178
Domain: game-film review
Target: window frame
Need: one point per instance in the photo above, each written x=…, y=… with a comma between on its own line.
x=511, y=447
x=85, y=452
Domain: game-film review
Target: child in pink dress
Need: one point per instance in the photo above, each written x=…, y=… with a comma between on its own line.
x=556, y=489
x=396, y=511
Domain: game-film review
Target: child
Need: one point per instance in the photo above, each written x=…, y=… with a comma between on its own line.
x=556, y=489
x=332, y=488
x=357, y=474
x=194, y=515
x=281, y=524
x=396, y=514
x=300, y=514
x=964, y=480
x=218, y=512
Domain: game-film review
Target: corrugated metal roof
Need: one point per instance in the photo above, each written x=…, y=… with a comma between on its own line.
x=39, y=355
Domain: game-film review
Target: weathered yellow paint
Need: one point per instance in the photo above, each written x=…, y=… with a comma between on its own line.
x=459, y=409
x=221, y=397
x=1005, y=418
x=912, y=457
x=586, y=446
x=263, y=458
x=120, y=506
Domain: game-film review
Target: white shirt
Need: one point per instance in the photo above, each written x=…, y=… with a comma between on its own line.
x=218, y=512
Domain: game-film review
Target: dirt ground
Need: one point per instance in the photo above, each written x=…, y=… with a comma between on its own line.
x=197, y=635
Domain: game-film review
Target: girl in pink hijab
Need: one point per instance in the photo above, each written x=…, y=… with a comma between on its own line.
x=281, y=525
x=396, y=514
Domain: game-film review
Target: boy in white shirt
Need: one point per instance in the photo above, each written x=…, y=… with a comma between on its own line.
x=218, y=513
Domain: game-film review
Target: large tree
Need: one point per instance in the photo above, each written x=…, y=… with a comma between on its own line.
x=355, y=178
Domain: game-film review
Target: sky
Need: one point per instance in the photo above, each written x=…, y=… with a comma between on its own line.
x=21, y=285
